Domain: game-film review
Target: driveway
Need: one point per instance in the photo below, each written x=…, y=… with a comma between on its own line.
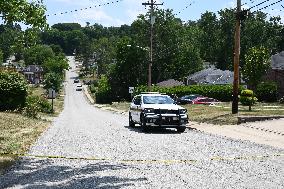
x=87, y=147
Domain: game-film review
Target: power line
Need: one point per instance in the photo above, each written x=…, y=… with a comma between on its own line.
x=258, y=4
x=83, y=9
x=186, y=7
x=268, y=6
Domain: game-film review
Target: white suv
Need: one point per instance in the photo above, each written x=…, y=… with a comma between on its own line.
x=157, y=110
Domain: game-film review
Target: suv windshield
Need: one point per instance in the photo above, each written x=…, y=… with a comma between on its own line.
x=157, y=100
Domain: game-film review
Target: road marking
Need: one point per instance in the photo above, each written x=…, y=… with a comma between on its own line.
x=161, y=161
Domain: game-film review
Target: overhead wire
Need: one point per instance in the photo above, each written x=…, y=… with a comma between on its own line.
x=268, y=6
x=86, y=8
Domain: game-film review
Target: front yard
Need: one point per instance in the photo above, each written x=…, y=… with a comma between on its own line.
x=18, y=132
x=220, y=114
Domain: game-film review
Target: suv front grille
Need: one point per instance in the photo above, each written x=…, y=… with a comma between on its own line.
x=165, y=111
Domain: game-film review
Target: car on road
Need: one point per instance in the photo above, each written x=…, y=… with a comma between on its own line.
x=187, y=99
x=79, y=87
x=76, y=80
x=157, y=110
x=205, y=101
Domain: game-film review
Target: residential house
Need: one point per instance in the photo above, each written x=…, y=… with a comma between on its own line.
x=211, y=76
x=170, y=83
x=33, y=73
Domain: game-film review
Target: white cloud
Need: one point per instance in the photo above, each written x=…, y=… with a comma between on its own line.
x=97, y=16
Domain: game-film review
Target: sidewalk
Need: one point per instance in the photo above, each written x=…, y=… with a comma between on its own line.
x=266, y=132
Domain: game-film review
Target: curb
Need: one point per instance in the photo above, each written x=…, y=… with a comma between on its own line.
x=244, y=119
x=86, y=92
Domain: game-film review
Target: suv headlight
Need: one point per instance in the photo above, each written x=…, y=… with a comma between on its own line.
x=183, y=111
x=148, y=110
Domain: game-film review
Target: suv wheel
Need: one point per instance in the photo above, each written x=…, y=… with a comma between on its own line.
x=131, y=123
x=180, y=129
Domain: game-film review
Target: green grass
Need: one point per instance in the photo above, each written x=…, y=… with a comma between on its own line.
x=17, y=134
x=221, y=113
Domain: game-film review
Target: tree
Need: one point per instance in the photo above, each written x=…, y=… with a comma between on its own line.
x=210, y=36
x=226, y=45
x=13, y=90
x=131, y=68
x=38, y=54
x=52, y=81
x=56, y=65
x=1, y=58
x=256, y=65
x=29, y=13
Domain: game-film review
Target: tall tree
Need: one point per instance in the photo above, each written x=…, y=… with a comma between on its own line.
x=210, y=36
x=256, y=65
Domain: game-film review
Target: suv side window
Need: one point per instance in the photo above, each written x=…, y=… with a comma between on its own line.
x=137, y=100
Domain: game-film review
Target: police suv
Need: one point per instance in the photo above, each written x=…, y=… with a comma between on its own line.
x=157, y=110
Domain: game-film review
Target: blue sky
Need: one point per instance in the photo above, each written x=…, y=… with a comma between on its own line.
x=125, y=11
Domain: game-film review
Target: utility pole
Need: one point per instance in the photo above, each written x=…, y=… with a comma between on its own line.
x=237, y=59
x=152, y=19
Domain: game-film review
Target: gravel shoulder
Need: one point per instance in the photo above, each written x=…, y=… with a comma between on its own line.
x=124, y=157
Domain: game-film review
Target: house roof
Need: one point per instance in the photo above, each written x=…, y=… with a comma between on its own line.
x=170, y=83
x=277, y=61
x=33, y=68
x=212, y=76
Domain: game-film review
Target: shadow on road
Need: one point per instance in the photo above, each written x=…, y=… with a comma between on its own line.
x=61, y=173
x=155, y=130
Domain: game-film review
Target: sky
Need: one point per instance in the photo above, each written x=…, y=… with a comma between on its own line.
x=126, y=11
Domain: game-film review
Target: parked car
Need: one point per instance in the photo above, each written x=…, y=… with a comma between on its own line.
x=187, y=99
x=79, y=87
x=76, y=80
x=204, y=100
x=157, y=110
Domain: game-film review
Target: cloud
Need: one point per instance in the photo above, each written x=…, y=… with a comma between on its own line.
x=97, y=16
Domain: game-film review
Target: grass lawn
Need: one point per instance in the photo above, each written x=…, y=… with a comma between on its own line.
x=16, y=136
x=18, y=133
x=221, y=113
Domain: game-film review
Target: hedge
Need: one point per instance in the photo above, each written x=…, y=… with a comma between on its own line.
x=267, y=92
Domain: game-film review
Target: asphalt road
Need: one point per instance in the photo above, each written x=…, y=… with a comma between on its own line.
x=97, y=149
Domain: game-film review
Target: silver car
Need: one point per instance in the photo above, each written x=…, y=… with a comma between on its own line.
x=157, y=110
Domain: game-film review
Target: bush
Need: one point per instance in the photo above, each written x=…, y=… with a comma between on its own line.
x=103, y=93
x=36, y=104
x=93, y=88
x=247, y=98
x=267, y=92
x=13, y=90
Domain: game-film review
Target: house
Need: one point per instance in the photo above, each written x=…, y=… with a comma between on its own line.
x=170, y=83
x=276, y=72
x=211, y=75
x=33, y=73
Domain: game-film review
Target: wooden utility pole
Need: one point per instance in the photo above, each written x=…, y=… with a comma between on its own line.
x=237, y=59
x=152, y=20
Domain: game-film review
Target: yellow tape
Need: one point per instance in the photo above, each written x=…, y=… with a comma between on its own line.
x=190, y=161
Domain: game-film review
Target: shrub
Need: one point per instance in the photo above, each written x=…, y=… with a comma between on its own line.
x=103, y=94
x=36, y=104
x=93, y=88
x=13, y=90
x=267, y=92
x=247, y=98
